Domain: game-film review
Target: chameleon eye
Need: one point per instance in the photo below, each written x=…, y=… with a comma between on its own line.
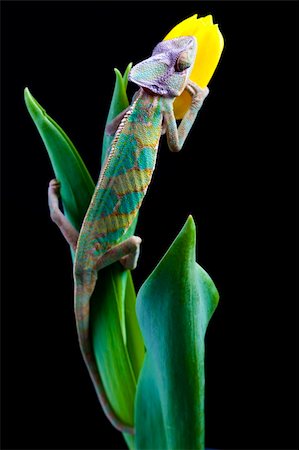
x=183, y=62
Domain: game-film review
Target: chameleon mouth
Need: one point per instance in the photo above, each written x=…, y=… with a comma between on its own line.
x=154, y=89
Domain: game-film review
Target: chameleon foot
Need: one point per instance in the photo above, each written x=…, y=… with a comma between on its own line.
x=197, y=93
x=127, y=253
x=130, y=261
x=53, y=194
x=66, y=228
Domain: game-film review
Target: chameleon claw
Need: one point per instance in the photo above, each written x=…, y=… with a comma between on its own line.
x=198, y=93
x=127, y=253
x=130, y=260
x=54, y=181
x=53, y=194
x=66, y=228
x=55, y=185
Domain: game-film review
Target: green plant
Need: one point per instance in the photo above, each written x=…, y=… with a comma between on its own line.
x=160, y=390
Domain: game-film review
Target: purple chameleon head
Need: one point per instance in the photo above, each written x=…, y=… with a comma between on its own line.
x=167, y=71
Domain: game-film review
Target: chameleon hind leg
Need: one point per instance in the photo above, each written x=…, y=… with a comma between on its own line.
x=69, y=232
x=126, y=252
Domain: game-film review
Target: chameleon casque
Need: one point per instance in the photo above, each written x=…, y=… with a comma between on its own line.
x=124, y=179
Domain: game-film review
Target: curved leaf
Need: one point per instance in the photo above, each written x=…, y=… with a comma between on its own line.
x=119, y=102
x=174, y=306
x=77, y=185
x=109, y=344
x=134, y=339
x=126, y=75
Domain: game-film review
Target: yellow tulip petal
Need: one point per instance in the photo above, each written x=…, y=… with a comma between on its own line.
x=208, y=54
x=209, y=48
x=186, y=26
x=208, y=20
x=181, y=105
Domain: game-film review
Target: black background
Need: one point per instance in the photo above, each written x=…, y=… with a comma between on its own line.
x=235, y=175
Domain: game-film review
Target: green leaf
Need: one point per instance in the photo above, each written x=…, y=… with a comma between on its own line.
x=109, y=345
x=119, y=102
x=174, y=307
x=77, y=185
x=149, y=421
x=126, y=75
x=117, y=341
x=134, y=339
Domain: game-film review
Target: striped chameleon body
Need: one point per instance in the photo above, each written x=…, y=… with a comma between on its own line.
x=124, y=180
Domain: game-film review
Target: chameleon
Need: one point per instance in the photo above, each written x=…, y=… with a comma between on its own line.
x=124, y=179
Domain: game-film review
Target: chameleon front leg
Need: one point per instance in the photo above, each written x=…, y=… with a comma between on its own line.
x=176, y=136
x=69, y=232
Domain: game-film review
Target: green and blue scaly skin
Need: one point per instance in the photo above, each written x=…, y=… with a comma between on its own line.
x=124, y=179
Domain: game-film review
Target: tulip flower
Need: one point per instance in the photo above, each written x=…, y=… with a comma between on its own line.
x=209, y=48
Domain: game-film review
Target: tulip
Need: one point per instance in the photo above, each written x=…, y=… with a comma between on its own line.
x=209, y=48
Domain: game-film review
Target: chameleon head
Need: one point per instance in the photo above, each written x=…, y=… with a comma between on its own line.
x=167, y=71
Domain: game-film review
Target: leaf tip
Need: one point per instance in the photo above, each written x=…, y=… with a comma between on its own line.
x=27, y=95
x=190, y=224
x=34, y=108
x=117, y=73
